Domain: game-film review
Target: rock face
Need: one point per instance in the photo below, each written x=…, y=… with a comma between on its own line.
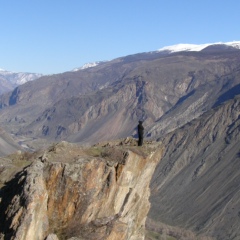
x=72, y=192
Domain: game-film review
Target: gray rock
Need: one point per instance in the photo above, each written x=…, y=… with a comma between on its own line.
x=52, y=237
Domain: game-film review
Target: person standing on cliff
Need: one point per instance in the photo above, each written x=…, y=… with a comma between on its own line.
x=140, y=133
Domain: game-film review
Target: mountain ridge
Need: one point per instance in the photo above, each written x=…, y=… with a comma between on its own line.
x=197, y=47
x=69, y=106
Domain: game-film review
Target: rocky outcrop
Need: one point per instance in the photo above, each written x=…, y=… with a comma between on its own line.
x=72, y=192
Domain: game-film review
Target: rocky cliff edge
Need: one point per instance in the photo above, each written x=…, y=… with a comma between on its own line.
x=73, y=192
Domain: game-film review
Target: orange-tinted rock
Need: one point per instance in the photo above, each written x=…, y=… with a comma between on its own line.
x=84, y=196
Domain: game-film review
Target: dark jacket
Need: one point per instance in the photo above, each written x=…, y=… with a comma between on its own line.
x=140, y=129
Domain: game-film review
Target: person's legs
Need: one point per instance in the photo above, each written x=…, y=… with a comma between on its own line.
x=140, y=141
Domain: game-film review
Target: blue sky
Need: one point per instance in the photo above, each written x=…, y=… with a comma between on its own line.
x=54, y=36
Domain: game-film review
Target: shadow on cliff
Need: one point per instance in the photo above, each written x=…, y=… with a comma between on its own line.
x=230, y=94
x=12, y=188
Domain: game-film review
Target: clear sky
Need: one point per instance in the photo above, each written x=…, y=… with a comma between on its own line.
x=54, y=36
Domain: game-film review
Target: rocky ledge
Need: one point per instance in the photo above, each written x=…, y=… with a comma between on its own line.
x=74, y=192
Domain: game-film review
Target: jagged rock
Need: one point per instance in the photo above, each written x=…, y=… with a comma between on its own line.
x=81, y=193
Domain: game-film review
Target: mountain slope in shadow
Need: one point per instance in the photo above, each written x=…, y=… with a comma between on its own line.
x=196, y=186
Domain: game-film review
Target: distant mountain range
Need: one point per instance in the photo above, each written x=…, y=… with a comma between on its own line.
x=165, y=88
x=9, y=80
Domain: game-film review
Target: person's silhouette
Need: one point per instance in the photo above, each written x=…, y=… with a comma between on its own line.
x=140, y=133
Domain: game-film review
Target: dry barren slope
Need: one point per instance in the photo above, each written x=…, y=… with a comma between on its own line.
x=7, y=144
x=196, y=185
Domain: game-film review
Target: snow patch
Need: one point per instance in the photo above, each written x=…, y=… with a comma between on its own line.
x=196, y=47
x=18, y=78
x=85, y=66
x=88, y=65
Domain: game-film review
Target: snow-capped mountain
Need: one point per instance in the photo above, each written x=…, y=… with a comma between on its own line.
x=171, y=49
x=18, y=78
x=10, y=80
x=196, y=47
